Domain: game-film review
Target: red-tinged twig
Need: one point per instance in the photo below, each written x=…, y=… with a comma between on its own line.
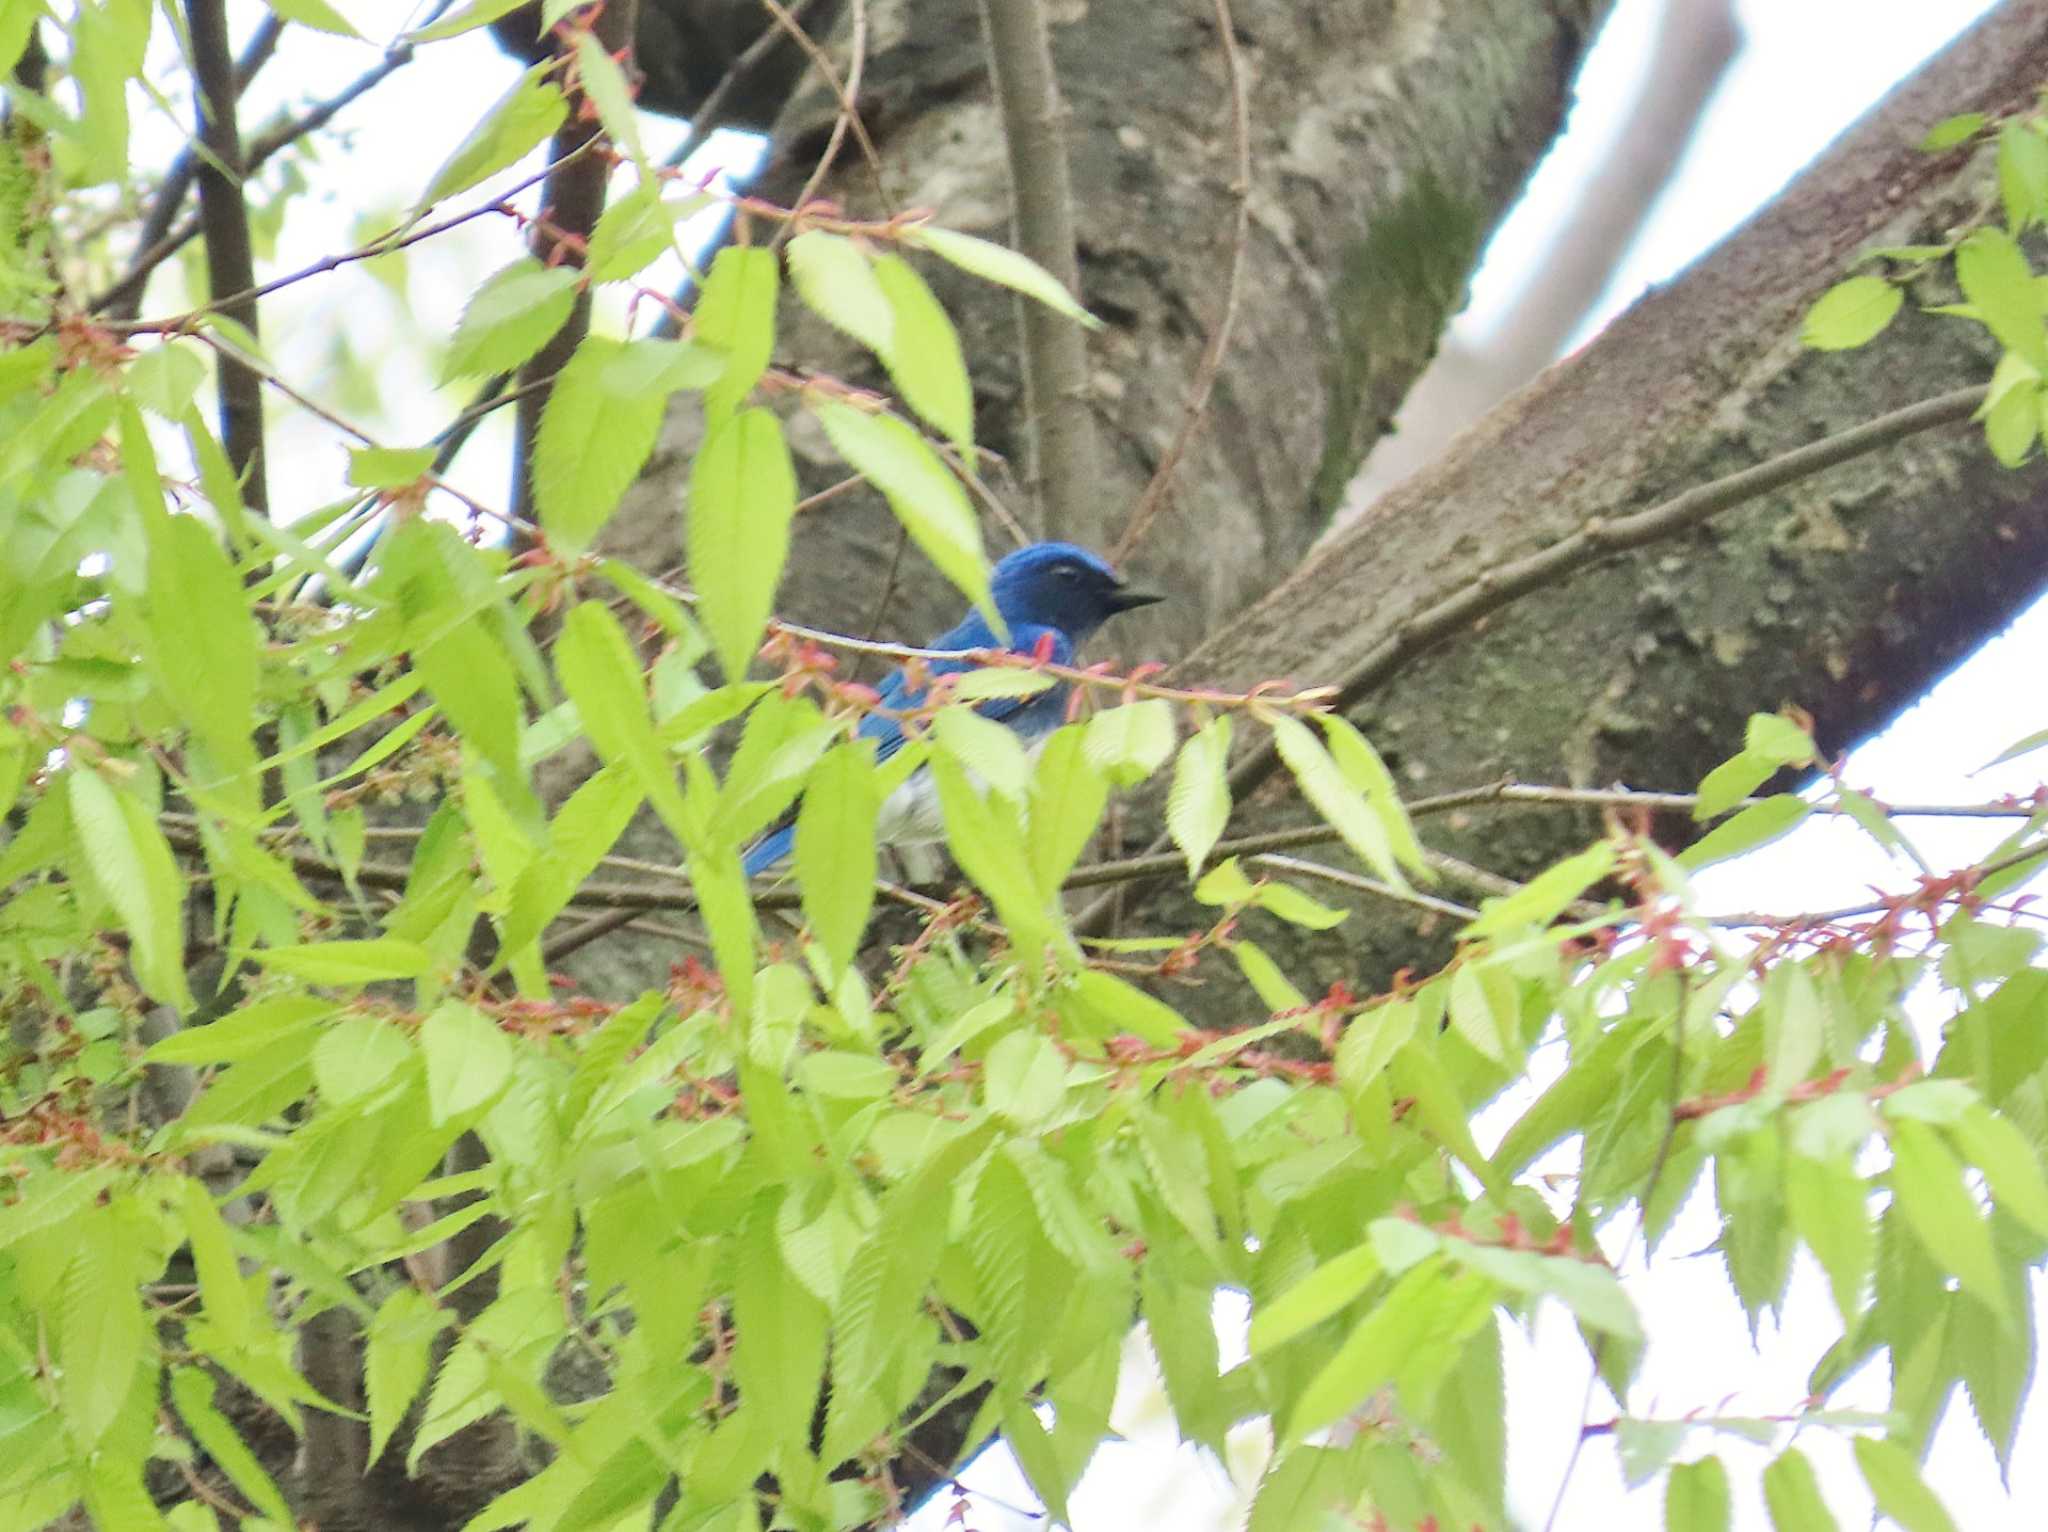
x=847, y=94
x=1160, y=487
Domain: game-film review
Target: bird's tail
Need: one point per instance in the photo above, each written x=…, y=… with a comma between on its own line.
x=768, y=850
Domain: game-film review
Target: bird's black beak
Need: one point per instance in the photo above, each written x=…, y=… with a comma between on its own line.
x=1123, y=598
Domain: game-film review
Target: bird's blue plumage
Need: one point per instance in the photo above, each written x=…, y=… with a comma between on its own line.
x=1052, y=597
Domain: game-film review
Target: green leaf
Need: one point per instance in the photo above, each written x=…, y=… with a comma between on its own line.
x=1025, y=1078
x=925, y=496
x=1995, y=278
x=832, y=276
x=1198, y=803
x=1776, y=738
x=101, y=1330
x=1851, y=313
x=228, y=1307
x=835, y=848
x=1000, y=265
x=987, y=839
x=1999, y=1149
x=1747, y=829
x=1895, y=1482
x=923, y=356
x=1333, y=796
x=1793, y=1495
x=1951, y=131
x=192, y=1392
x=779, y=1328
x=1364, y=770
x=1696, y=1497
x=1324, y=1291
x=1928, y=1182
x=1830, y=1210
x=203, y=648
x=350, y=962
x=525, y=116
x=1068, y=794
x=509, y=318
x=604, y=83
x=599, y=670
x=2022, y=175
x=469, y=1060
x=596, y=432
x=321, y=17
x=131, y=864
x=992, y=751
x=388, y=467
x=1132, y=741
x=635, y=231
x=1428, y=1307
x=1484, y=1008
x=742, y=499
x=736, y=315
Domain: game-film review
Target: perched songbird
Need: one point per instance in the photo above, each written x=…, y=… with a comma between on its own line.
x=1053, y=596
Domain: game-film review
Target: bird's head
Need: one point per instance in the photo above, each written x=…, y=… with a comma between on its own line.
x=1059, y=585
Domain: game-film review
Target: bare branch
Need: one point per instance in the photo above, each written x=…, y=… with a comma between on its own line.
x=224, y=218
x=1065, y=465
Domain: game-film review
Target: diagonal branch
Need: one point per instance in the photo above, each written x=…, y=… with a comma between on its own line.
x=1064, y=458
x=1597, y=539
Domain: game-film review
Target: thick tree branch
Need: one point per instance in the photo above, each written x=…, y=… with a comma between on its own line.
x=230, y=260
x=1065, y=466
x=572, y=198
x=1599, y=538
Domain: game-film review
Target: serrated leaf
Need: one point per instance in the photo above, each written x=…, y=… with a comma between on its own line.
x=1746, y=829
x=1851, y=313
x=1198, y=803
x=192, y=1392
x=635, y=231
x=1793, y=1496
x=101, y=1330
x=1068, y=795
x=1330, y=1287
x=835, y=848
x=1696, y=1497
x=1002, y=266
x=226, y=1297
x=604, y=84
x=1428, y=1307
x=130, y=861
x=203, y=648
x=1996, y=279
x=991, y=750
x=524, y=117
x=1132, y=741
x=1928, y=1183
x=1830, y=1210
x=832, y=276
x=736, y=315
x=510, y=317
x=1342, y=805
x=923, y=357
x=350, y=962
x=923, y=493
x=1895, y=1483
x=594, y=438
x=2022, y=175
x=469, y=1060
x=321, y=17
x=742, y=500
x=779, y=1350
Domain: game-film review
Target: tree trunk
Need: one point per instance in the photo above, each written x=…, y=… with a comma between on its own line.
x=1846, y=594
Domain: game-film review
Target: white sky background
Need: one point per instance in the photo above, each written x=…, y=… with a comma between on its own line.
x=1808, y=68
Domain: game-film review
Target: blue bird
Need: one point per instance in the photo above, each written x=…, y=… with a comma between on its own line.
x=1053, y=596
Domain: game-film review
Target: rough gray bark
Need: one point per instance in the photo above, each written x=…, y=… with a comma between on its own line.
x=1388, y=140
x=1846, y=594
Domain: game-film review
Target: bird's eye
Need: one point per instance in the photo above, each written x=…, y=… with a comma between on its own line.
x=1067, y=572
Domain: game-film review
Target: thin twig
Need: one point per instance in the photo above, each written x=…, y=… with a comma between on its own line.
x=159, y=242
x=230, y=258
x=1363, y=885
x=848, y=115
x=1160, y=486
x=1064, y=457
x=710, y=114
x=1597, y=539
